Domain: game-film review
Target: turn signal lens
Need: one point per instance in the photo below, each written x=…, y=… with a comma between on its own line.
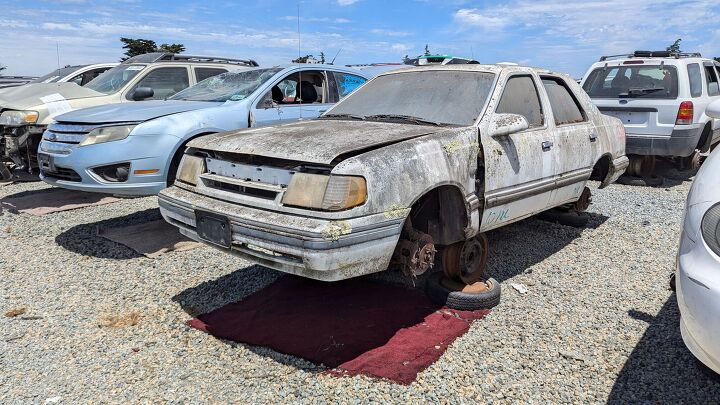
x=191, y=167
x=329, y=193
x=685, y=113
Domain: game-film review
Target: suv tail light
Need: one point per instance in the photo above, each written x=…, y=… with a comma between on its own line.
x=685, y=113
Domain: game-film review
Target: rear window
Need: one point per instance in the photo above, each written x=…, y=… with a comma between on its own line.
x=646, y=81
x=695, y=79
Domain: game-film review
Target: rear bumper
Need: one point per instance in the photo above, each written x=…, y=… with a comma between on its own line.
x=682, y=142
x=311, y=247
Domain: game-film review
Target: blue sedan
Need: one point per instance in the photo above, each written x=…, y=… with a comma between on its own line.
x=135, y=148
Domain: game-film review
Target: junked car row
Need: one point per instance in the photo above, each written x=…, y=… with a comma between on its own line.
x=331, y=172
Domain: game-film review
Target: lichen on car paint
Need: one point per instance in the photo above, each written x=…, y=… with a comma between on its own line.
x=397, y=211
x=335, y=229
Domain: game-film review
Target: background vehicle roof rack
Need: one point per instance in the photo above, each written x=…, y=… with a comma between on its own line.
x=166, y=56
x=653, y=54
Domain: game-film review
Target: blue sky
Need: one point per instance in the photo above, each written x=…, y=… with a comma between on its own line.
x=558, y=34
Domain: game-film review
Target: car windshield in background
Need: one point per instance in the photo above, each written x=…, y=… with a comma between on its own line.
x=646, y=81
x=231, y=86
x=114, y=79
x=56, y=75
x=435, y=96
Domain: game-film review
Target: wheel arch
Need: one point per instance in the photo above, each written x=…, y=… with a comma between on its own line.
x=602, y=170
x=443, y=213
x=705, y=140
x=178, y=152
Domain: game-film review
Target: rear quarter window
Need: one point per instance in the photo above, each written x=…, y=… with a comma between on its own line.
x=633, y=81
x=202, y=73
x=695, y=79
x=712, y=80
x=565, y=107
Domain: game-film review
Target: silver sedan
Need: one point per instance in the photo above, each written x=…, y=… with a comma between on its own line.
x=698, y=263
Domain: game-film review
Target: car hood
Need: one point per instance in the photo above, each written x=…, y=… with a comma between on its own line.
x=29, y=95
x=317, y=141
x=138, y=111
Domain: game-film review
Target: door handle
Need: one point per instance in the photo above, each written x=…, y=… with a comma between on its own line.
x=546, y=146
x=593, y=137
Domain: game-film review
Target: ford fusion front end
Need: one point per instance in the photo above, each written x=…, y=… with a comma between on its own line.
x=107, y=158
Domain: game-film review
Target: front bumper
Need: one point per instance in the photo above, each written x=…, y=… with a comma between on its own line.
x=78, y=162
x=682, y=142
x=698, y=295
x=321, y=249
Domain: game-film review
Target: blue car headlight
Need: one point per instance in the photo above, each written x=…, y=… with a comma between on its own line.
x=710, y=228
x=107, y=134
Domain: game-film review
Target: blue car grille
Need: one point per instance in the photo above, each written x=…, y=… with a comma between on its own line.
x=67, y=133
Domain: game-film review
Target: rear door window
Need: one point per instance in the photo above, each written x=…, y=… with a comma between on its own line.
x=695, y=79
x=165, y=82
x=711, y=79
x=520, y=96
x=632, y=81
x=565, y=107
x=347, y=83
x=202, y=73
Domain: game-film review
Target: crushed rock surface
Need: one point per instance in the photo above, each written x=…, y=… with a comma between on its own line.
x=104, y=324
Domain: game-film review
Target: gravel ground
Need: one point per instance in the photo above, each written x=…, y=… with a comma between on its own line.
x=598, y=323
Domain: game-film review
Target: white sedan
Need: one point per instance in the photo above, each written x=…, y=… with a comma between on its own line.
x=698, y=263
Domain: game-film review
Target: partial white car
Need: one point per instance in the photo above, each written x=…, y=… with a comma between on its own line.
x=698, y=262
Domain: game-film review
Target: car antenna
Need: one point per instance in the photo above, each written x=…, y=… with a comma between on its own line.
x=298, y=94
x=57, y=51
x=332, y=62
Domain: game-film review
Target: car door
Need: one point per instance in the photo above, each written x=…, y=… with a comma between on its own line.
x=575, y=140
x=519, y=167
x=307, y=95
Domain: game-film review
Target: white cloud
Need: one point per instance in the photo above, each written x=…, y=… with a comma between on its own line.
x=473, y=17
x=346, y=2
x=390, y=33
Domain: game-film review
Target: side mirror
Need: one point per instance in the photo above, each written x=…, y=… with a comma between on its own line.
x=713, y=109
x=141, y=93
x=506, y=124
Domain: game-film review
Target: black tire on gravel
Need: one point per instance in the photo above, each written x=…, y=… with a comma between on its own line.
x=459, y=300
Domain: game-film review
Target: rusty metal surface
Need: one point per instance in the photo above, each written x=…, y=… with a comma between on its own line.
x=415, y=251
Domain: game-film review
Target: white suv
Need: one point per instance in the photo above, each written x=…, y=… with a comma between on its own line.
x=661, y=98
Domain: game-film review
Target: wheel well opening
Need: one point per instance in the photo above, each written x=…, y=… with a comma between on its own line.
x=705, y=140
x=601, y=169
x=441, y=213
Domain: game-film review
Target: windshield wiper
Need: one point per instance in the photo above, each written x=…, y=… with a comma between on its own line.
x=352, y=116
x=640, y=92
x=406, y=118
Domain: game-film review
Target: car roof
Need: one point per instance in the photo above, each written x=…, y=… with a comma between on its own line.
x=476, y=67
x=338, y=68
x=167, y=57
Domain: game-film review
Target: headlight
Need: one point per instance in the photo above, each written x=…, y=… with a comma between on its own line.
x=330, y=193
x=107, y=134
x=191, y=167
x=18, y=118
x=710, y=228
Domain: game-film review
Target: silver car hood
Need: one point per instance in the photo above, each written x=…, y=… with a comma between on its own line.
x=28, y=96
x=317, y=141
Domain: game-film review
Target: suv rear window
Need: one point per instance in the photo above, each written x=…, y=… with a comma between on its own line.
x=712, y=80
x=646, y=81
x=695, y=79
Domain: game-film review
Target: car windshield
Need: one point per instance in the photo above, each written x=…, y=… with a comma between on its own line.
x=56, y=75
x=450, y=97
x=645, y=81
x=114, y=79
x=231, y=86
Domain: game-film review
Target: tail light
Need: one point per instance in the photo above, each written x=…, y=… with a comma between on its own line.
x=685, y=113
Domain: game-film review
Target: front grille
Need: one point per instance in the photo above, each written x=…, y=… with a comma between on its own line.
x=67, y=133
x=61, y=173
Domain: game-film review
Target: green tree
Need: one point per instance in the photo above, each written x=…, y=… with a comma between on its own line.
x=134, y=47
x=172, y=48
x=303, y=59
x=427, y=50
x=717, y=59
x=322, y=57
x=675, y=47
x=2, y=67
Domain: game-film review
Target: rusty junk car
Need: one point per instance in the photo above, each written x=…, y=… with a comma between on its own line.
x=417, y=163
